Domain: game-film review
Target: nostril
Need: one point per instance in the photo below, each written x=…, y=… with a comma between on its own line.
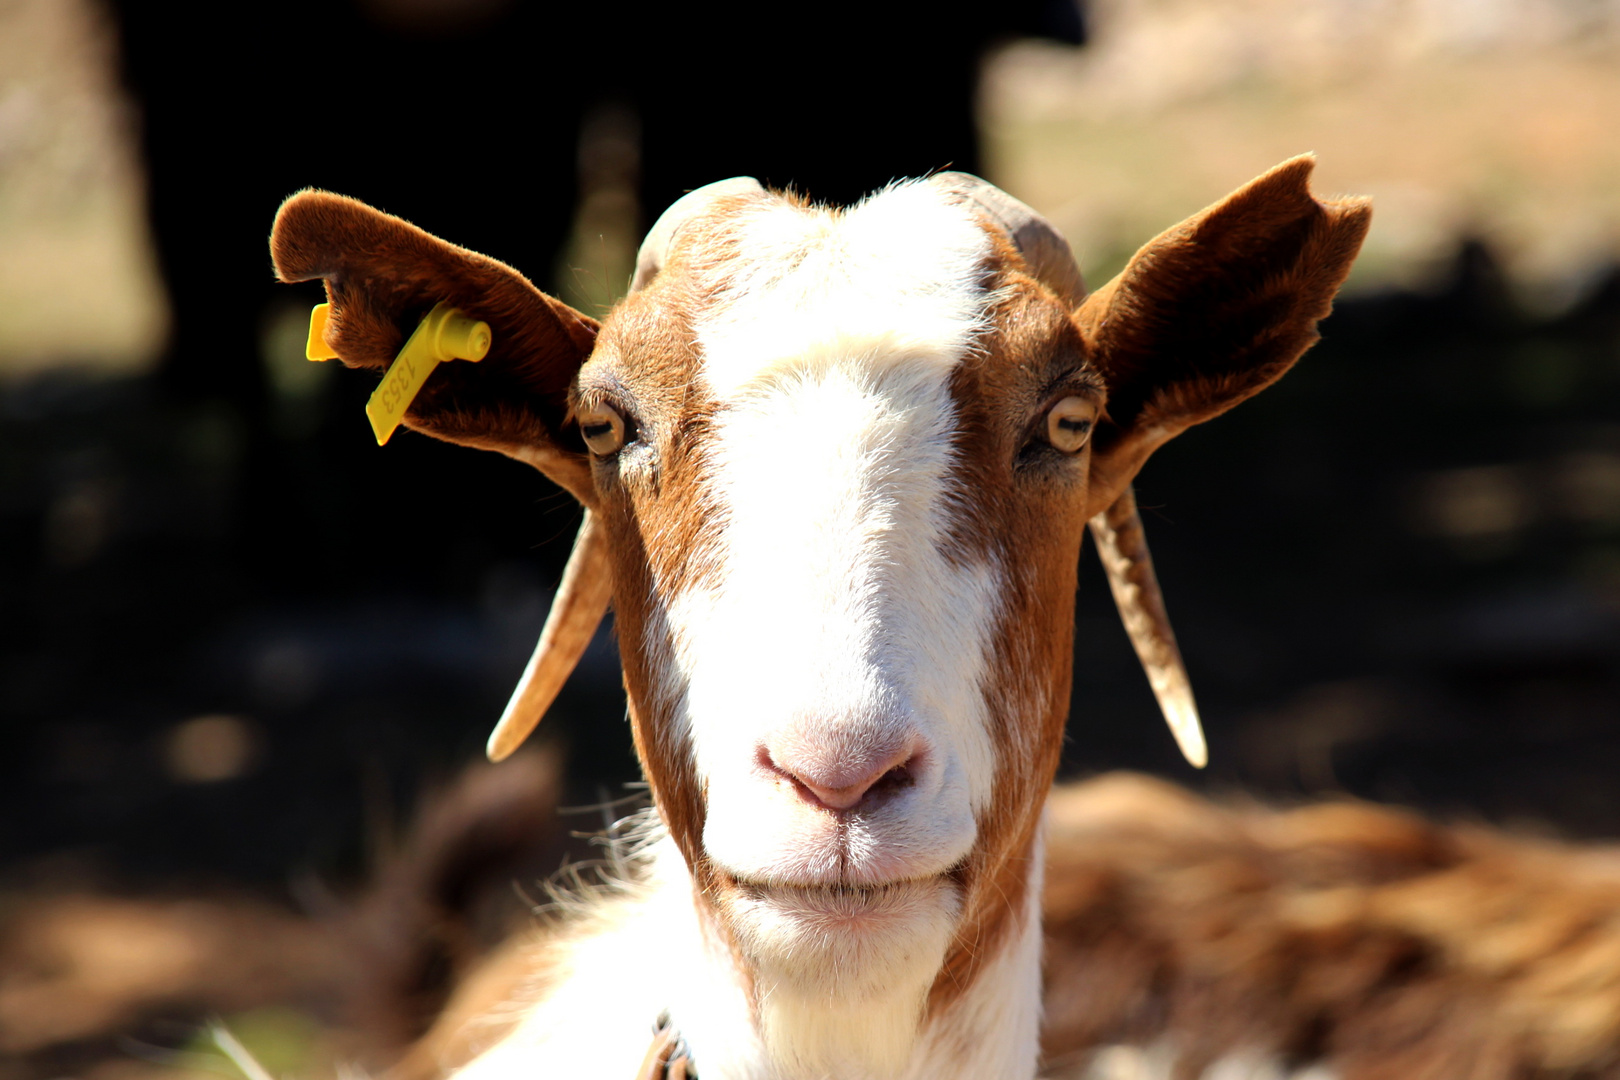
x=896, y=779
x=839, y=783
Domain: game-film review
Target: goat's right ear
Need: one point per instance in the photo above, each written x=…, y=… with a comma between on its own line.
x=1212, y=312
x=384, y=274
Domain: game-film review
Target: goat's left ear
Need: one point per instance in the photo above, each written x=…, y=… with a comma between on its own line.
x=1212, y=312
x=384, y=274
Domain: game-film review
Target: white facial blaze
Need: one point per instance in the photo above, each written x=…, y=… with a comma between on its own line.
x=836, y=617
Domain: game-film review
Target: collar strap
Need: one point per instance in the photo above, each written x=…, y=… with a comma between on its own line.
x=667, y=1058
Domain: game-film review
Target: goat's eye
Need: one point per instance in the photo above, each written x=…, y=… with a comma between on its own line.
x=1068, y=424
x=603, y=428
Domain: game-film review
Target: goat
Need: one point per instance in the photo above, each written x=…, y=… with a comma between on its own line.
x=836, y=468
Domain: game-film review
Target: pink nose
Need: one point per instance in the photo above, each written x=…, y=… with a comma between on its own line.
x=839, y=777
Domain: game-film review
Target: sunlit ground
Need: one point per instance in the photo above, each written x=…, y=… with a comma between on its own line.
x=1495, y=121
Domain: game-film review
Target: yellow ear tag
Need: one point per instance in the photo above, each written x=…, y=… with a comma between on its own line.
x=317, y=348
x=446, y=334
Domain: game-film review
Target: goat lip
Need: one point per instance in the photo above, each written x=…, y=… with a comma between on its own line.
x=836, y=862
x=845, y=885
x=840, y=925
x=839, y=895
x=843, y=909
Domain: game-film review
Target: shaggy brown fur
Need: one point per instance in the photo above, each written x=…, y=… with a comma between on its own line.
x=1354, y=936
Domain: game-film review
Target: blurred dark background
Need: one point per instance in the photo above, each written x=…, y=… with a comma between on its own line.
x=241, y=642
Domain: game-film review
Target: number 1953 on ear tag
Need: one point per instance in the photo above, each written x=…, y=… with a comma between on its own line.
x=445, y=334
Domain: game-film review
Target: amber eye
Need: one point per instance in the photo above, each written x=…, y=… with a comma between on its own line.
x=1068, y=424
x=603, y=428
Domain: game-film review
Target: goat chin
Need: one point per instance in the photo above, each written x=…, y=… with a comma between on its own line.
x=843, y=974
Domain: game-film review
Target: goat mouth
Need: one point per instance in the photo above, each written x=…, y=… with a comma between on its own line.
x=820, y=916
x=842, y=902
x=760, y=890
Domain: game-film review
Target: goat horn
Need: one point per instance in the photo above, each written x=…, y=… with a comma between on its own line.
x=581, y=601
x=655, y=248
x=585, y=590
x=1123, y=547
x=1044, y=249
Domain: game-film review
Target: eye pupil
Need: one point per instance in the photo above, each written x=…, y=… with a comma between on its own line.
x=603, y=429
x=1068, y=423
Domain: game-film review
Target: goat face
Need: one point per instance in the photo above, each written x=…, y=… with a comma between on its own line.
x=844, y=554
x=841, y=463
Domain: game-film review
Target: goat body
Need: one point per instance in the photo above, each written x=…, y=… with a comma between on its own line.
x=836, y=467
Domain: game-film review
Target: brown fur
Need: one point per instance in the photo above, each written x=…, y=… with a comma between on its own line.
x=1360, y=937
x=659, y=525
x=1023, y=511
